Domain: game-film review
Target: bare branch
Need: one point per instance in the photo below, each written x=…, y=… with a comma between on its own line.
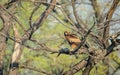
x=16, y=53
x=79, y=66
x=32, y=13
x=38, y=22
x=35, y=69
x=108, y=17
x=84, y=39
x=96, y=9
x=15, y=18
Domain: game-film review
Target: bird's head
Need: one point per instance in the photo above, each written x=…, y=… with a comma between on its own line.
x=66, y=33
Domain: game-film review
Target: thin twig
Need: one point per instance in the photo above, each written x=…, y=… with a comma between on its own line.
x=35, y=69
x=84, y=39
x=32, y=13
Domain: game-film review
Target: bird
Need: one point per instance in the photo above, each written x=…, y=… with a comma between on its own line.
x=63, y=51
x=73, y=40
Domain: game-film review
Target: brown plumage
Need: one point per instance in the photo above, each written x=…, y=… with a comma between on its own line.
x=72, y=39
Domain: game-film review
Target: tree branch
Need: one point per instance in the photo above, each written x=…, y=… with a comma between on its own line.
x=79, y=66
x=38, y=22
x=83, y=39
x=108, y=17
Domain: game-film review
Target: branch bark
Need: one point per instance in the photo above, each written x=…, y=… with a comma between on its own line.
x=108, y=17
x=16, y=54
x=76, y=68
x=96, y=9
x=3, y=40
x=29, y=33
x=38, y=22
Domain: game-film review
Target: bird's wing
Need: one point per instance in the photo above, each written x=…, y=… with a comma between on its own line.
x=74, y=39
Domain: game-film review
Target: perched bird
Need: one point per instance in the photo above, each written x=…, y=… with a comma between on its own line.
x=73, y=40
x=63, y=51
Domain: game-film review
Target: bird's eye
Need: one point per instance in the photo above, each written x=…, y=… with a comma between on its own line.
x=65, y=33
